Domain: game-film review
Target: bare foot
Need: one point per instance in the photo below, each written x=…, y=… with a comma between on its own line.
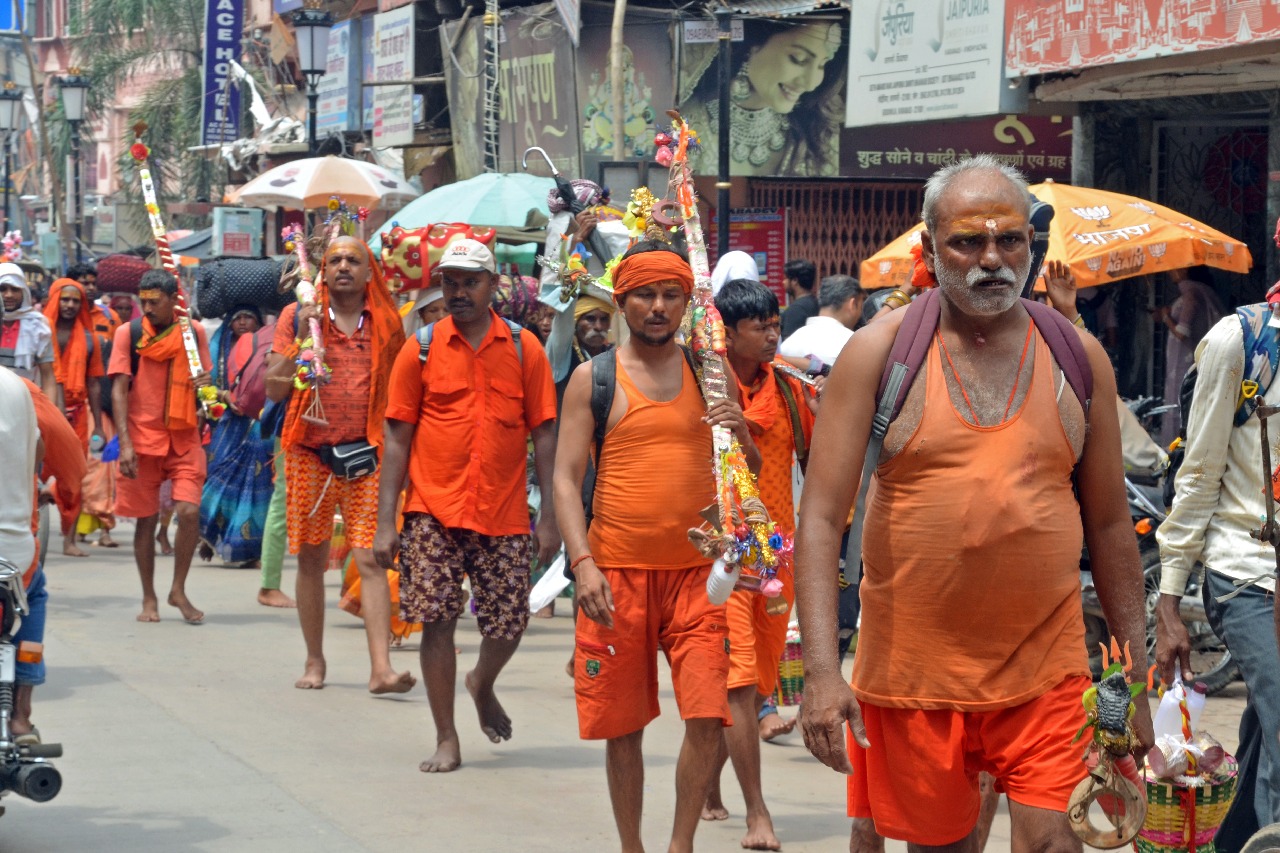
x=547, y=612
x=391, y=683
x=275, y=598
x=773, y=726
x=760, y=833
x=166, y=548
x=105, y=541
x=312, y=676
x=714, y=809
x=448, y=757
x=190, y=614
x=150, y=611
x=568, y=668
x=70, y=549
x=396, y=640
x=494, y=721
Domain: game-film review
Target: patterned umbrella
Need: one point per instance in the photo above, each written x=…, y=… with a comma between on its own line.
x=1103, y=237
x=308, y=184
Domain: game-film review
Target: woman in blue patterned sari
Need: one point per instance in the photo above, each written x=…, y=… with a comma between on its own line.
x=238, y=487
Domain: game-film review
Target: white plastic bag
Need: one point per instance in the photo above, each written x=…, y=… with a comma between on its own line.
x=550, y=585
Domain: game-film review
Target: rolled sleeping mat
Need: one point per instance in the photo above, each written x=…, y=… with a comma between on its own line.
x=224, y=283
x=121, y=273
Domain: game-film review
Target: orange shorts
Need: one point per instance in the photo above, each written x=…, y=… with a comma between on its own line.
x=140, y=497
x=615, y=675
x=919, y=779
x=312, y=494
x=756, y=639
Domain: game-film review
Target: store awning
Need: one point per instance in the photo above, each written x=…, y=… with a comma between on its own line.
x=783, y=8
x=198, y=244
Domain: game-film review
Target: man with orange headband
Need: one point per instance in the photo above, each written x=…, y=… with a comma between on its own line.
x=153, y=403
x=77, y=366
x=640, y=583
x=463, y=407
x=331, y=458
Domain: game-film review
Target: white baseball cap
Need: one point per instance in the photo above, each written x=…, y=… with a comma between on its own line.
x=466, y=254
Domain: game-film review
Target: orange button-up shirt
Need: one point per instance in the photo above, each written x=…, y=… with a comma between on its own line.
x=147, y=403
x=346, y=396
x=474, y=409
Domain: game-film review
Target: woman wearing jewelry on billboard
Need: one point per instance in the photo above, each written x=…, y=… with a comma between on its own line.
x=786, y=102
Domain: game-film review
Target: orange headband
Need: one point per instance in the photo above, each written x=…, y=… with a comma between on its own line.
x=650, y=268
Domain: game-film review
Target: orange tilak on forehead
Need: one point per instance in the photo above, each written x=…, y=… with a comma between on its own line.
x=991, y=223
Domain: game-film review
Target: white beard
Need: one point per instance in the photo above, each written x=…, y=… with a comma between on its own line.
x=962, y=290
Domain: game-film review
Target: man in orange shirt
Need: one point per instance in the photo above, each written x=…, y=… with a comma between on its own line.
x=77, y=367
x=361, y=332
x=640, y=583
x=971, y=654
x=105, y=319
x=153, y=402
x=777, y=409
x=462, y=406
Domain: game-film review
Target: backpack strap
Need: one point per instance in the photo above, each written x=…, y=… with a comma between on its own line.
x=135, y=338
x=424, y=336
x=910, y=346
x=604, y=384
x=426, y=333
x=516, y=332
x=1261, y=357
x=793, y=409
x=1068, y=351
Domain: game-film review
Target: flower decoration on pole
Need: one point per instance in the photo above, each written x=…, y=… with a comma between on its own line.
x=206, y=394
x=748, y=549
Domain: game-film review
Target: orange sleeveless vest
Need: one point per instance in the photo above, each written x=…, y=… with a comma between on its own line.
x=654, y=479
x=971, y=586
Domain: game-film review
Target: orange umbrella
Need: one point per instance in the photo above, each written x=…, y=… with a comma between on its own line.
x=1102, y=236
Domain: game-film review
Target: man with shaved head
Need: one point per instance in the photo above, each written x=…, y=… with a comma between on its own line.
x=971, y=655
x=361, y=333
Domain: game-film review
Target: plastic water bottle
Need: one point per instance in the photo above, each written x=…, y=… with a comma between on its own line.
x=720, y=583
x=1168, y=720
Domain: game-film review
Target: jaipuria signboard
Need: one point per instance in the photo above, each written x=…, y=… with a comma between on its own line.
x=920, y=60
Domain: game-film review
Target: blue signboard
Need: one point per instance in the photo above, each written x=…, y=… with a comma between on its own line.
x=220, y=103
x=11, y=21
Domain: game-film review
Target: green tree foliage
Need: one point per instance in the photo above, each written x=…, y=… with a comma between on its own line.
x=155, y=44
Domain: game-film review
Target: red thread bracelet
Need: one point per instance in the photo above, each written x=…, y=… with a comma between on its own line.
x=578, y=561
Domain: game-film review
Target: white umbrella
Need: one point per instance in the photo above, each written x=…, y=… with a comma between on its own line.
x=308, y=184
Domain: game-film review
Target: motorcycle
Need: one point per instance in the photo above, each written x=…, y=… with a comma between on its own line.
x=25, y=768
x=1210, y=660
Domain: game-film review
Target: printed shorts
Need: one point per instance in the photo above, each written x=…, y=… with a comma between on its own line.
x=433, y=561
x=313, y=492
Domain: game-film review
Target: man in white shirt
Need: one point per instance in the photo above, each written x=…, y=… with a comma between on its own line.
x=1219, y=499
x=817, y=343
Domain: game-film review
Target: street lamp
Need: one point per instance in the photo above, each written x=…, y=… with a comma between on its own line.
x=311, y=25
x=10, y=111
x=73, y=88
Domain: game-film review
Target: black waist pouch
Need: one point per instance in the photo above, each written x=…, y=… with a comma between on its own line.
x=350, y=461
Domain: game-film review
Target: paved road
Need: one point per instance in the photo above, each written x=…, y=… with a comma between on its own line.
x=184, y=738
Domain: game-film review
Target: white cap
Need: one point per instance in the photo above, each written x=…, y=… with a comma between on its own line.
x=465, y=254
